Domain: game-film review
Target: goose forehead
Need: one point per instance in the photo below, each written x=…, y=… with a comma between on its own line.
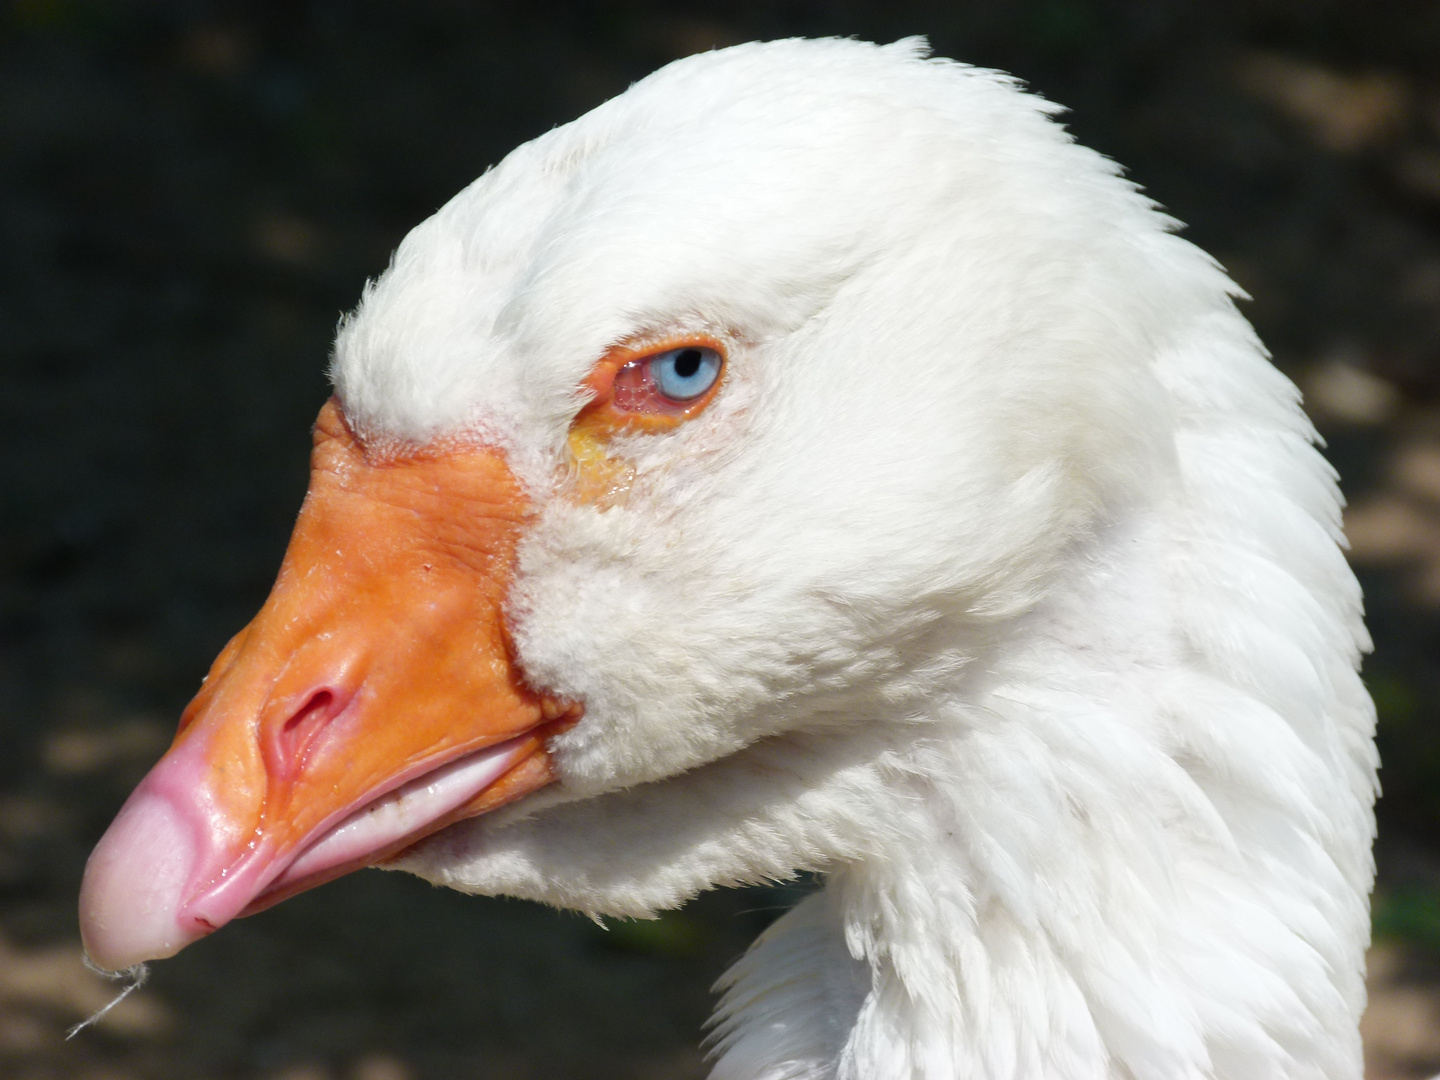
x=732, y=191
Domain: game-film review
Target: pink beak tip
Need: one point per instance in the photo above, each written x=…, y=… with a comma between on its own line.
x=134, y=885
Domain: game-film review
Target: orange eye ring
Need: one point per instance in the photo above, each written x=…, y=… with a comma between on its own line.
x=625, y=397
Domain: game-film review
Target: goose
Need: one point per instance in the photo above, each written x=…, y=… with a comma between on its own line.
x=813, y=460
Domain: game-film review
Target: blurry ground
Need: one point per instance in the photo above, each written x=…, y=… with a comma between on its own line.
x=189, y=195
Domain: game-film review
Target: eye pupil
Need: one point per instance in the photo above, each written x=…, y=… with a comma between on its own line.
x=687, y=363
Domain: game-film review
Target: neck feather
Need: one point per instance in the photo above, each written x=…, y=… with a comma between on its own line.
x=1140, y=848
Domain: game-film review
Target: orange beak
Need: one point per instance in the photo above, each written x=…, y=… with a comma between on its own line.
x=371, y=702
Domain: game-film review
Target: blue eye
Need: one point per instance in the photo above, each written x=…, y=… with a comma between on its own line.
x=685, y=373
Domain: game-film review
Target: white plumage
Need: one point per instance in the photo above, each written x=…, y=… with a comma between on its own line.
x=1001, y=583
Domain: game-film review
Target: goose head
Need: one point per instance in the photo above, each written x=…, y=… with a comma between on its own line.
x=789, y=466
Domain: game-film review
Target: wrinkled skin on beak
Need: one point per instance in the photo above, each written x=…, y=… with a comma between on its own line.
x=371, y=702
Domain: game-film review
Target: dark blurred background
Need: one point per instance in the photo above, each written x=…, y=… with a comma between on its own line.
x=191, y=193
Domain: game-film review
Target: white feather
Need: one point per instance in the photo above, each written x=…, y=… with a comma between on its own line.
x=1000, y=583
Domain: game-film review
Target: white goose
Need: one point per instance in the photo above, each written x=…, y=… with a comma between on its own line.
x=813, y=460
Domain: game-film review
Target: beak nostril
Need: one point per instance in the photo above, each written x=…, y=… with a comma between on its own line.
x=299, y=731
x=319, y=703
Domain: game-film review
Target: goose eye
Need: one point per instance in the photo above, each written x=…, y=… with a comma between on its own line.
x=668, y=384
x=684, y=374
x=653, y=389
